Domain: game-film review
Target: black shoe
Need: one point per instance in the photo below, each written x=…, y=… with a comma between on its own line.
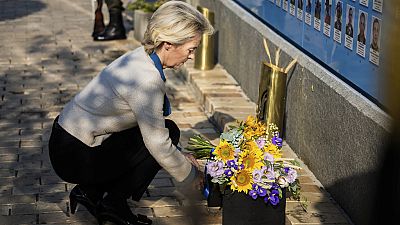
x=98, y=27
x=116, y=210
x=110, y=33
x=115, y=29
x=77, y=195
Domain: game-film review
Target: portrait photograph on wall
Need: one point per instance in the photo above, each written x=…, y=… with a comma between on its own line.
x=300, y=10
x=337, y=27
x=327, y=18
x=308, y=15
x=375, y=41
x=361, y=34
x=317, y=15
x=292, y=7
x=285, y=5
x=349, y=34
x=278, y=3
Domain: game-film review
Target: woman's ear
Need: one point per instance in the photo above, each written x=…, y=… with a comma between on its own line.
x=167, y=46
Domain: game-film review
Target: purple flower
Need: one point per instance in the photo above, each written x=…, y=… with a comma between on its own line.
x=262, y=192
x=255, y=187
x=268, y=172
x=291, y=175
x=211, y=153
x=260, y=142
x=277, y=141
x=274, y=197
x=253, y=194
x=231, y=163
x=257, y=176
x=215, y=169
x=269, y=157
x=228, y=173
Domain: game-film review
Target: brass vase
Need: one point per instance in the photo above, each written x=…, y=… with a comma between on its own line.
x=272, y=95
x=205, y=54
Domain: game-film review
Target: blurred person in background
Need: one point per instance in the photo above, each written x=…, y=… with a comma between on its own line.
x=115, y=29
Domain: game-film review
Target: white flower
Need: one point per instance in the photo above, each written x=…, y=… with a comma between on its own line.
x=283, y=182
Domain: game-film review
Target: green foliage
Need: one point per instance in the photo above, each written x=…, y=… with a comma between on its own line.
x=145, y=5
x=200, y=147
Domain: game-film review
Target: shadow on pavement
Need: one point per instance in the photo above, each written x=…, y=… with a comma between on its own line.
x=24, y=8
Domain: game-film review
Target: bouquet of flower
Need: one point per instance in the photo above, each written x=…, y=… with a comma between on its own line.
x=249, y=159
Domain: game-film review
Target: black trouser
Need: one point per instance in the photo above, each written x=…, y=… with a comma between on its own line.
x=114, y=5
x=121, y=164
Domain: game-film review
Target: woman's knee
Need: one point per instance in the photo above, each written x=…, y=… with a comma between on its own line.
x=174, y=132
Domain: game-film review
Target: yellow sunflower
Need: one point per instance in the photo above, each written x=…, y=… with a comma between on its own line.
x=224, y=151
x=242, y=181
x=254, y=128
x=251, y=157
x=273, y=150
x=250, y=121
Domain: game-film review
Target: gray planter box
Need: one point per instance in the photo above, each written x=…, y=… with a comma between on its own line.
x=141, y=19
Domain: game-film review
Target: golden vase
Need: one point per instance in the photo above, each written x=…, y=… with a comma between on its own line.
x=205, y=54
x=272, y=95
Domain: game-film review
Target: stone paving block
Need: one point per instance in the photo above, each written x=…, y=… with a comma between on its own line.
x=8, y=157
x=25, y=190
x=18, y=219
x=47, y=207
x=29, y=150
x=163, y=192
x=52, y=179
x=162, y=174
x=31, y=143
x=5, y=165
x=15, y=199
x=53, y=218
x=144, y=211
x=5, y=210
x=8, y=172
x=313, y=207
x=169, y=211
x=82, y=216
x=26, y=180
x=316, y=197
x=9, y=144
x=300, y=217
x=173, y=221
x=23, y=209
x=161, y=182
x=53, y=188
x=160, y=201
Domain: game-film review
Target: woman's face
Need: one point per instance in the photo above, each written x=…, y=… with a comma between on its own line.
x=177, y=55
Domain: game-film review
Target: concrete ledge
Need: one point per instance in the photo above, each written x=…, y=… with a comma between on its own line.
x=222, y=98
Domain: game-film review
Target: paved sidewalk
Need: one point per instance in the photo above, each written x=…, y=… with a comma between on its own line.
x=46, y=56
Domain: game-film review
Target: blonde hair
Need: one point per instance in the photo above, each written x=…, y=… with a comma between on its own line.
x=175, y=22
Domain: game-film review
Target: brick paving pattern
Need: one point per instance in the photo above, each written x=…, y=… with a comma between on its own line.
x=46, y=56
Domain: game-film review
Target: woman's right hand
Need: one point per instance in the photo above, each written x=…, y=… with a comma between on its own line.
x=198, y=183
